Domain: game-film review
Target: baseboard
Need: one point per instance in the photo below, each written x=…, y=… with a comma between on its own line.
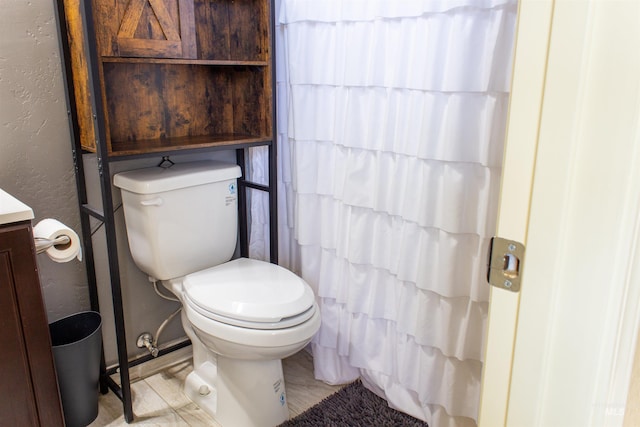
x=159, y=364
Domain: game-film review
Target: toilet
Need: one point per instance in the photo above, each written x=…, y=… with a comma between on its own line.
x=243, y=316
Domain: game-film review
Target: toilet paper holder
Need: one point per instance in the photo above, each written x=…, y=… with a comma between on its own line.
x=42, y=244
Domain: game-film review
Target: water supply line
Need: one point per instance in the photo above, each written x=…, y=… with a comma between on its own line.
x=160, y=294
x=147, y=340
x=150, y=341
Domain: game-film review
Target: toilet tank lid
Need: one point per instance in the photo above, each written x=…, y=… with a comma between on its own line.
x=180, y=175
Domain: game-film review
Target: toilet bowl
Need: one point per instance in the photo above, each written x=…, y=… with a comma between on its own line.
x=242, y=316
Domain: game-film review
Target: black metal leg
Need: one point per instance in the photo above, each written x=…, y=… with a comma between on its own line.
x=242, y=204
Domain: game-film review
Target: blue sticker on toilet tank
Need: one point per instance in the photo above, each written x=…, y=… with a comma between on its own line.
x=232, y=188
x=282, y=399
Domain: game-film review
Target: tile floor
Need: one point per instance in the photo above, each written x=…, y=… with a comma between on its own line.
x=158, y=399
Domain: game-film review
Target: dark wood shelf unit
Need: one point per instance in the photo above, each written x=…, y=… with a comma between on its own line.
x=154, y=78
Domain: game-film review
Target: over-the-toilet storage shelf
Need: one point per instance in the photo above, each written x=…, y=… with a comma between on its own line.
x=155, y=78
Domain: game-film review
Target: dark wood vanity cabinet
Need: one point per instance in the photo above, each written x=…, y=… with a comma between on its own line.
x=28, y=383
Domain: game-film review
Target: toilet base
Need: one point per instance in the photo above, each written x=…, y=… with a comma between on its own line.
x=243, y=393
x=199, y=387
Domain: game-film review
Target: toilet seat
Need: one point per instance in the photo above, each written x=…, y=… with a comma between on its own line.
x=250, y=294
x=284, y=323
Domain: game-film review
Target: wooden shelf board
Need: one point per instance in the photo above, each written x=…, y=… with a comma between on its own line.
x=126, y=148
x=177, y=61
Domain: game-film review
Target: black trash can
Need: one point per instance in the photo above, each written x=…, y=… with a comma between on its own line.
x=77, y=349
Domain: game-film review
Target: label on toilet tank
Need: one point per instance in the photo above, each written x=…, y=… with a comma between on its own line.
x=230, y=199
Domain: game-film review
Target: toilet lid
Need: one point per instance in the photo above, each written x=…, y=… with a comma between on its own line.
x=250, y=293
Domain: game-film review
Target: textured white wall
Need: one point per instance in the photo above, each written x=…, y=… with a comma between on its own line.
x=35, y=148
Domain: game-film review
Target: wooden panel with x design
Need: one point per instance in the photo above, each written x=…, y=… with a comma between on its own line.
x=177, y=39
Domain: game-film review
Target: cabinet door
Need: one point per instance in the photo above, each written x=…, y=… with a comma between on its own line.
x=28, y=383
x=145, y=28
x=17, y=407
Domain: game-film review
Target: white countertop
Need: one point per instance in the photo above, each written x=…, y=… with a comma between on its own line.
x=12, y=209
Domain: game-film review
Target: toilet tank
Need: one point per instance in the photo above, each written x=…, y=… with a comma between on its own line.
x=180, y=219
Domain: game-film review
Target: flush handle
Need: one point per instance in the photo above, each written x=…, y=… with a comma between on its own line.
x=152, y=202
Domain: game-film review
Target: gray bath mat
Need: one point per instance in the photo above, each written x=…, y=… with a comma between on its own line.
x=353, y=406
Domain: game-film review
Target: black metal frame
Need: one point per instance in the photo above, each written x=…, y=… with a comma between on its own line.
x=106, y=217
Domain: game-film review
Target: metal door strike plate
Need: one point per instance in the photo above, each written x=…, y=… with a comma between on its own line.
x=505, y=266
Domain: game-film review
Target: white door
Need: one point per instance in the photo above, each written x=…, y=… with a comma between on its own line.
x=559, y=352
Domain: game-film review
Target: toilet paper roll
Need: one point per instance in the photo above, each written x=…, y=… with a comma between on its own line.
x=45, y=234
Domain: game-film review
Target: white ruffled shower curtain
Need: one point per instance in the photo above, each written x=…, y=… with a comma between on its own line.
x=391, y=120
